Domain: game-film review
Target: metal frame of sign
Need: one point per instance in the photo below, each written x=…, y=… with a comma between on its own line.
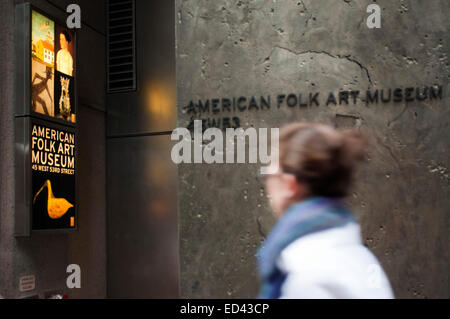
x=24, y=118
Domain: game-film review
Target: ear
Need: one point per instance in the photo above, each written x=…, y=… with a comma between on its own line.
x=294, y=188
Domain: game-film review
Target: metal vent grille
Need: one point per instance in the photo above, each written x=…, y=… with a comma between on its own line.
x=121, y=46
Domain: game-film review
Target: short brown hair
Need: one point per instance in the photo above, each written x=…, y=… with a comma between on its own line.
x=321, y=157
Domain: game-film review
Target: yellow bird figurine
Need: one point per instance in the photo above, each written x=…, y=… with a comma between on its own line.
x=56, y=207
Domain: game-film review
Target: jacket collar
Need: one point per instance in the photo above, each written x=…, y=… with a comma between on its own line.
x=306, y=217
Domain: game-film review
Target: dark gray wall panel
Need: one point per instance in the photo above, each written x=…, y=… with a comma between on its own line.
x=142, y=219
x=87, y=247
x=150, y=108
x=141, y=178
x=7, y=148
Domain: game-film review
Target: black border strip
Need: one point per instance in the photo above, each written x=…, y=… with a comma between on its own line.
x=144, y=134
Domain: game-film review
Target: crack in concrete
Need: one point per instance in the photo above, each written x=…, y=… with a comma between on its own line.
x=205, y=17
x=348, y=57
x=260, y=231
x=391, y=153
x=337, y=56
x=398, y=116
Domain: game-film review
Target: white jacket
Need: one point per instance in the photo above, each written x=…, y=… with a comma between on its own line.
x=332, y=264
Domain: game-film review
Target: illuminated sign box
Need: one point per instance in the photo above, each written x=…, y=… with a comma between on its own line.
x=45, y=124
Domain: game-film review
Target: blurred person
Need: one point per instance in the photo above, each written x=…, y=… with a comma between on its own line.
x=315, y=248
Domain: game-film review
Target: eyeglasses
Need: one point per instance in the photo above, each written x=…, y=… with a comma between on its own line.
x=264, y=177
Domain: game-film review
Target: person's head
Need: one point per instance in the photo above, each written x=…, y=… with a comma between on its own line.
x=314, y=160
x=64, y=39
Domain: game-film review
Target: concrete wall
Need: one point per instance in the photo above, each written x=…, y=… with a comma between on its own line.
x=248, y=48
x=47, y=256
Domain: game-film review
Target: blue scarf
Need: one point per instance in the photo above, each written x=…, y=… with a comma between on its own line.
x=306, y=217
